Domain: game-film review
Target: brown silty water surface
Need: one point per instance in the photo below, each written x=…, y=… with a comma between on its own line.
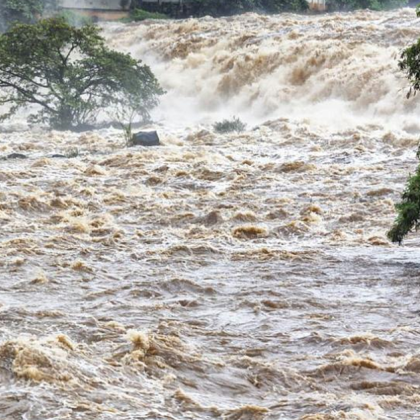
x=239, y=276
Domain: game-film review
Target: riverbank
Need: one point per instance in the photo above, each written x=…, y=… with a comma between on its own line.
x=222, y=8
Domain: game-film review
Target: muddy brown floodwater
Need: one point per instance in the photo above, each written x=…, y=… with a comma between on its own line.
x=238, y=276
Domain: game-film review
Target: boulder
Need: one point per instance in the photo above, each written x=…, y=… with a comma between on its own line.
x=145, y=138
x=17, y=156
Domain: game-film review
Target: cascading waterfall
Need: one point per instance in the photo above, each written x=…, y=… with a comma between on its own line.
x=339, y=70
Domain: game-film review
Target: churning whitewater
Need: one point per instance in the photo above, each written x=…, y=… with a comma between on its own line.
x=239, y=276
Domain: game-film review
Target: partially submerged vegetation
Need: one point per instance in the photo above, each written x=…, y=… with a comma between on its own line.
x=229, y=126
x=70, y=75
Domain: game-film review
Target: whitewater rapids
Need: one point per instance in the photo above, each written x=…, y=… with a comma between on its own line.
x=238, y=276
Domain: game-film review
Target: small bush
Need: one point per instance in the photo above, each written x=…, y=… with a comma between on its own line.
x=73, y=152
x=138, y=15
x=229, y=126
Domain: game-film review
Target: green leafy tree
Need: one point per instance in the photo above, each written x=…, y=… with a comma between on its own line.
x=408, y=209
x=24, y=11
x=70, y=75
x=75, y=19
x=223, y=7
x=231, y=7
x=220, y=7
x=276, y=6
x=365, y=4
x=138, y=15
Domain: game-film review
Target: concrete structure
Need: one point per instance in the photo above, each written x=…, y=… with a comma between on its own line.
x=101, y=9
x=107, y=9
x=116, y=9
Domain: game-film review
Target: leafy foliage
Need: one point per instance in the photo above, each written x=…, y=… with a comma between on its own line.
x=410, y=64
x=275, y=6
x=138, y=15
x=225, y=8
x=74, y=19
x=231, y=7
x=408, y=210
x=229, y=126
x=70, y=75
x=24, y=11
x=220, y=7
x=365, y=4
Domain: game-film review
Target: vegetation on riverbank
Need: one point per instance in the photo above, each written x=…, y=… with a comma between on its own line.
x=138, y=15
x=19, y=11
x=347, y=5
x=71, y=75
x=29, y=11
x=218, y=8
x=408, y=210
x=74, y=19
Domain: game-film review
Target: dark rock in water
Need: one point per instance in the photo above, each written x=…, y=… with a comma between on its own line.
x=16, y=156
x=58, y=156
x=213, y=218
x=145, y=138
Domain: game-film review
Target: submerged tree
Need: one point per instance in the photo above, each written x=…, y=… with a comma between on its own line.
x=408, y=209
x=70, y=75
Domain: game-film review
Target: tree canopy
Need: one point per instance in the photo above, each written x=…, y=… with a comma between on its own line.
x=408, y=217
x=225, y=8
x=365, y=4
x=70, y=75
x=408, y=210
x=24, y=11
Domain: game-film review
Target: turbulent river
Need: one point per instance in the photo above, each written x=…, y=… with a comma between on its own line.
x=238, y=276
